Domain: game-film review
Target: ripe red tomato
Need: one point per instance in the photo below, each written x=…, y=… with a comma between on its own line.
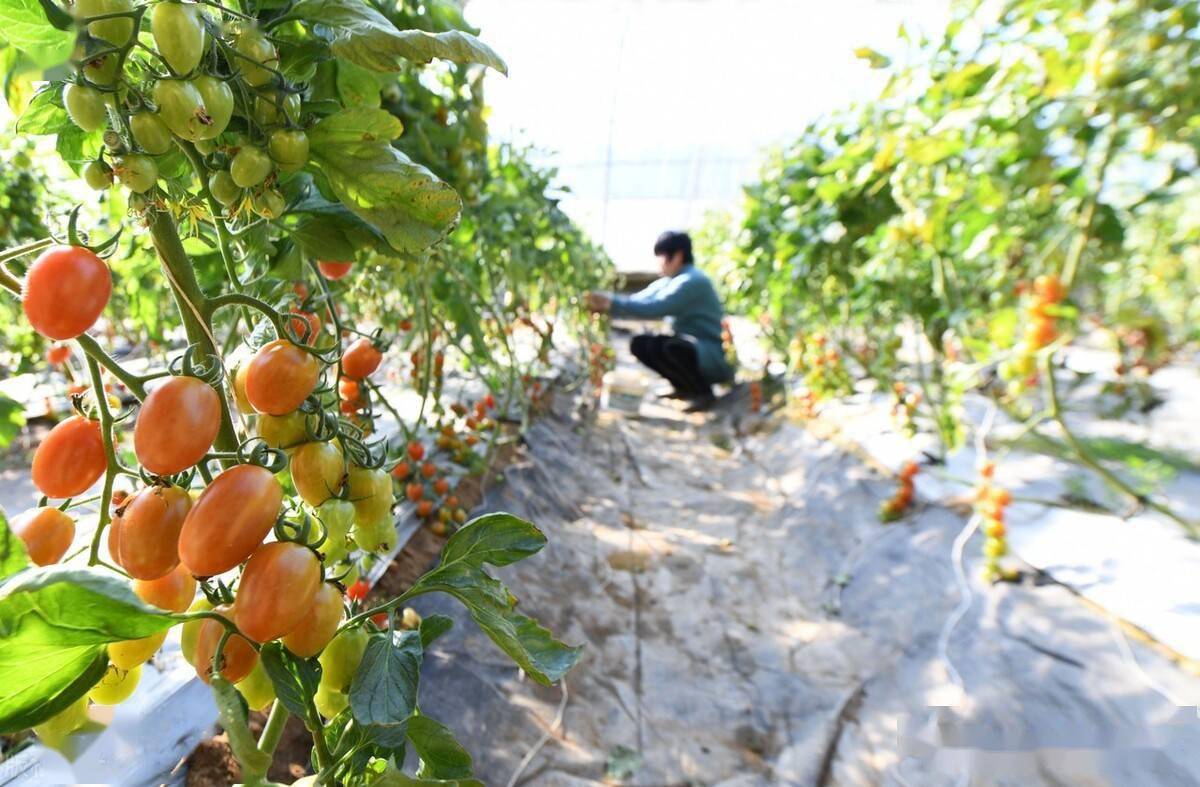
x=334, y=270
x=441, y=486
x=358, y=591
x=58, y=354
x=489, y=401
x=277, y=590
x=66, y=289
x=406, y=325
x=424, y=509
x=302, y=321
x=402, y=471
x=177, y=425
x=428, y=470
x=348, y=389
x=173, y=591
x=237, y=659
x=280, y=377
x=1049, y=288
x=145, y=538
x=70, y=459
x=317, y=628
x=46, y=532
x=361, y=359
x=416, y=451
x=231, y=518
x=415, y=491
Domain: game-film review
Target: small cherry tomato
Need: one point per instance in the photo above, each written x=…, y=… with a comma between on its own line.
x=115, y=686
x=46, y=532
x=414, y=491
x=173, y=591
x=371, y=491
x=176, y=426
x=358, y=591
x=70, y=459
x=318, y=470
x=340, y=659
x=317, y=628
x=237, y=659
x=441, y=486
x=133, y=653
x=277, y=589
x=361, y=359
x=145, y=538
x=416, y=451
x=428, y=470
x=348, y=389
x=305, y=325
x=424, y=509
x=283, y=431
x=334, y=270
x=280, y=377
x=58, y=354
x=229, y=520
x=66, y=289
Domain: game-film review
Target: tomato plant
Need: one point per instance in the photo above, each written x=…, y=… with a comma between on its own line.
x=236, y=152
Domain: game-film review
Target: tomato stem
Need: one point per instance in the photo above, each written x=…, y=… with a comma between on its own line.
x=111, y=466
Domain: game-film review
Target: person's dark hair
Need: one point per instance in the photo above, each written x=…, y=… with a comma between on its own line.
x=670, y=242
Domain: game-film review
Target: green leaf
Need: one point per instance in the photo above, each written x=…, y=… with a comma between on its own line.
x=394, y=778
x=442, y=756
x=13, y=557
x=23, y=24
x=432, y=627
x=54, y=624
x=383, y=693
x=295, y=679
x=499, y=539
x=12, y=419
x=367, y=38
x=403, y=200
x=45, y=113
x=357, y=86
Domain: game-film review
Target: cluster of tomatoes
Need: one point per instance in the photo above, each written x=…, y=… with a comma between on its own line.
x=425, y=486
x=601, y=359
x=167, y=534
x=203, y=76
x=904, y=406
x=756, y=396
x=1041, y=330
x=990, y=504
x=820, y=365
x=898, y=504
x=806, y=404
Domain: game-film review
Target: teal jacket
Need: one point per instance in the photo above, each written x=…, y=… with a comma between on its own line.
x=689, y=303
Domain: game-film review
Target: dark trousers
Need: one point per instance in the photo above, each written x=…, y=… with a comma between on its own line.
x=675, y=359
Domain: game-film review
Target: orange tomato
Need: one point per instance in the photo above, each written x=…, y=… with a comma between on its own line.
x=58, y=354
x=173, y=591
x=424, y=509
x=415, y=491
x=280, y=377
x=229, y=520
x=402, y=471
x=46, y=532
x=144, y=539
x=334, y=270
x=1049, y=288
x=416, y=451
x=70, y=459
x=177, y=425
x=428, y=470
x=305, y=321
x=277, y=590
x=441, y=486
x=348, y=389
x=317, y=628
x=237, y=659
x=65, y=291
x=1041, y=332
x=361, y=359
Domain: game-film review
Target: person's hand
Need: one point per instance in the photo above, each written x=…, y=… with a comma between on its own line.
x=598, y=302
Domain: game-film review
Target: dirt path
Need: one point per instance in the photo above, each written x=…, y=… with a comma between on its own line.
x=748, y=621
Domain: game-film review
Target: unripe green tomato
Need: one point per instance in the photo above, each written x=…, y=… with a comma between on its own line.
x=377, y=536
x=191, y=630
x=178, y=35
x=995, y=547
x=266, y=113
x=218, y=104
x=371, y=491
x=329, y=701
x=223, y=189
x=181, y=107
x=136, y=172
x=54, y=730
x=150, y=133
x=116, y=31
x=255, y=49
x=269, y=204
x=283, y=431
x=257, y=688
x=115, y=686
x=289, y=149
x=97, y=176
x=250, y=167
x=340, y=659
x=336, y=516
x=85, y=106
x=205, y=147
x=138, y=203
x=102, y=70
